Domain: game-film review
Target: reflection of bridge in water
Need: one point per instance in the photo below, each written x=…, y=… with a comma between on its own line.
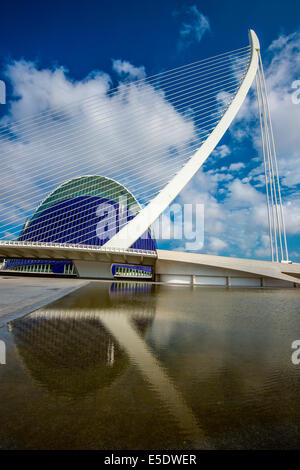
x=76, y=347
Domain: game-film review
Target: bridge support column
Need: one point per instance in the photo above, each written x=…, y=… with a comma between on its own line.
x=93, y=269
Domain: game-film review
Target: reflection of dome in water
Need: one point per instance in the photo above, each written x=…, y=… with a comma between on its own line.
x=67, y=349
x=68, y=356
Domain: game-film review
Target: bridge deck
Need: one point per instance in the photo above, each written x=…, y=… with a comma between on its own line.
x=165, y=262
x=64, y=251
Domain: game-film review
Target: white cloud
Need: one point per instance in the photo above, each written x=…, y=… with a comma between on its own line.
x=193, y=27
x=36, y=90
x=243, y=194
x=236, y=166
x=221, y=151
x=292, y=215
x=216, y=245
x=125, y=68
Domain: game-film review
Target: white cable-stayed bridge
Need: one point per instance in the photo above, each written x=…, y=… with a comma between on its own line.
x=84, y=182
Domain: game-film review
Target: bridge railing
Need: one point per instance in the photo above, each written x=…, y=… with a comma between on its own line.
x=77, y=246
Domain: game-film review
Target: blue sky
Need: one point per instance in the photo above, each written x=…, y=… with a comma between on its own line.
x=86, y=36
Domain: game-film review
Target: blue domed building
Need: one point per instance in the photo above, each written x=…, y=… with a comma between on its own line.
x=86, y=210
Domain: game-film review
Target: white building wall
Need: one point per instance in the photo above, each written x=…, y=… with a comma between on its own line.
x=172, y=272
x=210, y=280
x=245, y=281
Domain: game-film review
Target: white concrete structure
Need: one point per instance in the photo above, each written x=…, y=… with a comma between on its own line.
x=169, y=266
x=198, y=269
x=90, y=261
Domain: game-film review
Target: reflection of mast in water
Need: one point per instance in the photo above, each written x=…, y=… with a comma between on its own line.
x=110, y=354
x=113, y=323
x=123, y=330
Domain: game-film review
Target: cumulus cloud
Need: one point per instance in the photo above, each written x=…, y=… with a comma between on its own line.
x=126, y=69
x=194, y=24
x=243, y=194
x=221, y=151
x=238, y=219
x=34, y=90
x=216, y=245
x=236, y=166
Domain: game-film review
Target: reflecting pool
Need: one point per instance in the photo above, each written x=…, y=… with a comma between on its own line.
x=142, y=366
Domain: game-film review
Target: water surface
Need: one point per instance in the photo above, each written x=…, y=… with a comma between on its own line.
x=137, y=366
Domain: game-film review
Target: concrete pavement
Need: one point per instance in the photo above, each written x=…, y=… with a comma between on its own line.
x=20, y=295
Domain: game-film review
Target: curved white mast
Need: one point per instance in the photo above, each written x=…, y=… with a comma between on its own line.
x=137, y=226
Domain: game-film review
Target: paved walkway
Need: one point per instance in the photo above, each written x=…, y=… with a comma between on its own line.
x=21, y=295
